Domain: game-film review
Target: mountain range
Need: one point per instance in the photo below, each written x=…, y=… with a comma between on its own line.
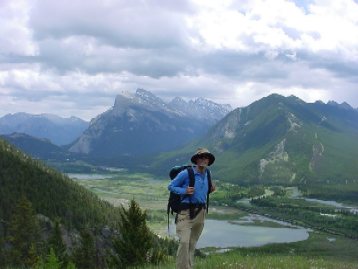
x=60, y=131
x=280, y=140
x=143, y=124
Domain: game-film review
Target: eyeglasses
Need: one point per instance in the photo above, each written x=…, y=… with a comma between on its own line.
x=203, y=156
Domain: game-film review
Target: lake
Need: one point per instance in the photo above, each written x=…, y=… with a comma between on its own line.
x=224, y=234
x=89, y=176
x=227, y=234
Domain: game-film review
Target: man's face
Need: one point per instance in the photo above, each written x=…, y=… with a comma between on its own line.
x=202, y=160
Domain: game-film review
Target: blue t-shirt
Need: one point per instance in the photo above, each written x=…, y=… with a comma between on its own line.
x=179, y=184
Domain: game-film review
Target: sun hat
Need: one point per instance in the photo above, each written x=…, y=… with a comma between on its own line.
x=200, y=152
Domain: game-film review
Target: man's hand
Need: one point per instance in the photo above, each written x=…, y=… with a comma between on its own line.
x=213, y=187
x=190, y=190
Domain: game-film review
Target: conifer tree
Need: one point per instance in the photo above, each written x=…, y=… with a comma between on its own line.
x=57, y=244
x=71, y=265
x=2, y=256
x=33, y=258
x=23, y=231
x=135, y=239
x=51, y=262
x=85, y=255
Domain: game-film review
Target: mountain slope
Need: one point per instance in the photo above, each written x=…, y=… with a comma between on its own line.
x=38, y=148
x=51, y=193
x=60, y=131
x=282, y=140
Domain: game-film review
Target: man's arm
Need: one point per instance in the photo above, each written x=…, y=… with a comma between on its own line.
x=179, y=185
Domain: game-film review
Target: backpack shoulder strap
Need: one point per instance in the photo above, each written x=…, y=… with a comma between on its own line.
x=210, y=184
x=191, y=176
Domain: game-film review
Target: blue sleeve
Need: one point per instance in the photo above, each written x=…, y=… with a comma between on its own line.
x=179, y=184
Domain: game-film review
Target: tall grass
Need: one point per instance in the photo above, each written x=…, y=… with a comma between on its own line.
x=234, y=261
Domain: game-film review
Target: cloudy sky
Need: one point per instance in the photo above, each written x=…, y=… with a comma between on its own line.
x=73, y=57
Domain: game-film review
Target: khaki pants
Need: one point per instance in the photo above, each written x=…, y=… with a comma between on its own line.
x=188, y=230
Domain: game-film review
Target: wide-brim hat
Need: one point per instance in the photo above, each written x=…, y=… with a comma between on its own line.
x=201, y=152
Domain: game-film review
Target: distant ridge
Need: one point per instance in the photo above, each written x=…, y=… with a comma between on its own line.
x=38, y=148
x=281, y=140
x=60, y=131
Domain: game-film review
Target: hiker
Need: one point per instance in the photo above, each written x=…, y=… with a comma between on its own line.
x=190, y=218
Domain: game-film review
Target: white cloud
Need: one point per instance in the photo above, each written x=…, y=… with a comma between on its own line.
x=15, y=36
x=75, y=56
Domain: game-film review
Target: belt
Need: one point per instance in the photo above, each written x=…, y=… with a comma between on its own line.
x=194, y=209
x=184, y=206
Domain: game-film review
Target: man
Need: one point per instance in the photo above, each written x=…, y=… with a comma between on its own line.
x=190, y=220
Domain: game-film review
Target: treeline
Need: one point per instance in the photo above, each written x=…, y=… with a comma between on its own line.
x=229, y=193
x=46, y=218
x=337, y=192
x=300, y=212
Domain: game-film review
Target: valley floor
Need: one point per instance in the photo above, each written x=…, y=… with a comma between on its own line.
x=318, y=251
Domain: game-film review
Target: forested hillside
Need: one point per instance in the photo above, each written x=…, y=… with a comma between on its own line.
x=45, y=217
x=50, y=192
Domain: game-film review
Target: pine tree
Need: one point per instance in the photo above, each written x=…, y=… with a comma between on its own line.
x=85, y=255
x=52, y=261
x=23, y=231
x=2, y=256
x=135, y=239
x=56, y=243
x=71, y=265
x=33, y=258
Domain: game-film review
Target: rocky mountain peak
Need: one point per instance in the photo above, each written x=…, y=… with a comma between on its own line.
x=140, y=98
x=122, y=102
x=149, y=99
x=211, y=106
x=343, y=105
x=178, y=101
x=143, y=123
x=201, y=108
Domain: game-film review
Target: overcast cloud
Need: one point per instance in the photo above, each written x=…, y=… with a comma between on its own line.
x=74, y=57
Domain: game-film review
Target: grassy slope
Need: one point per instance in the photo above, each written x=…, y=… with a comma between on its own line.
x=316, y=252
